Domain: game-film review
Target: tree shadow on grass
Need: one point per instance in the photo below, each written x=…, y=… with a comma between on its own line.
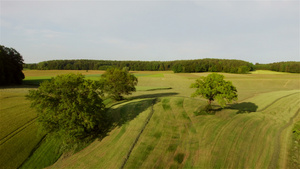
x=244, y=107
x=118, y=115
x=127, y=112
x=153, y=95
x=34, y=82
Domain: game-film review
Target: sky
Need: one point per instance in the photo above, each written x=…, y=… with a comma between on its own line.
x=162, y=30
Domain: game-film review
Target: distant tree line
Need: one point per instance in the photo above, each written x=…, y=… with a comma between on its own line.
x=11, y=66
x=291, y=67
x=212, y=65
x=179, y=66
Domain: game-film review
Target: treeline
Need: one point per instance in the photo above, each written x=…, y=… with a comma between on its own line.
x=212, y=65
x=179, y=66
x=11, y=66
x=291, y=67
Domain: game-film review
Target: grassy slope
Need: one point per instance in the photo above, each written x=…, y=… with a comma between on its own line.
x=18, y=128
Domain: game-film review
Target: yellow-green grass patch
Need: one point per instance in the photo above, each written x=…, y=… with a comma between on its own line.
x=268, y=72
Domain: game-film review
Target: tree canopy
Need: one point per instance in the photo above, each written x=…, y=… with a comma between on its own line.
x=69, y=106
x=116, y=82
x=11, y=66
x=214, y=87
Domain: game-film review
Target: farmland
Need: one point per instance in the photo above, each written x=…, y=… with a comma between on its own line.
x=159, y=125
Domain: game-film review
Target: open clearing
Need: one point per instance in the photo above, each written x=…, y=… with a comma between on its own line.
x=160, y=128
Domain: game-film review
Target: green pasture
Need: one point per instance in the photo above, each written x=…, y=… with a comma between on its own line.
x=254, y=132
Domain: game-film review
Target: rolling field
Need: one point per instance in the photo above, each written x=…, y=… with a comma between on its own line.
x=159, y=125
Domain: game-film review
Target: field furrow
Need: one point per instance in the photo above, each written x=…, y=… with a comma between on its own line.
x=13, y=133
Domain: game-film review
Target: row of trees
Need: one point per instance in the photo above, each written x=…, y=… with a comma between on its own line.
x=291, y=67
x=11, y=66
x=212, y=65
x=100, y=65
x=179, y=66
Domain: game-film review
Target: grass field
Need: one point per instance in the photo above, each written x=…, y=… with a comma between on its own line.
x=18, y=136
x=254, y=132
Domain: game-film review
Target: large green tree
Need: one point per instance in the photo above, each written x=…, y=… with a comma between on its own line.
x=116, y=82
x=69, y=106
x=214, y=87
x=11, y=66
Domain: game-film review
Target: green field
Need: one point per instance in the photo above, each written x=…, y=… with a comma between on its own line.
x=160, y=127
x=18, y=128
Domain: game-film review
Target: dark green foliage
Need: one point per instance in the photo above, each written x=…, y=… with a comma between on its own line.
x=215, y=87
x=179, y=158
x=179, y=66
x=116, y=82
x=11, y=66
x=291, y=67
x=69, y=106
x=212, y=65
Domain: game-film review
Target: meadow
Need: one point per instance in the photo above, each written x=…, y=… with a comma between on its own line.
x=160, y=126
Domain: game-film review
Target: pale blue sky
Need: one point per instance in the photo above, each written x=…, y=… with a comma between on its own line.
x=255, y=31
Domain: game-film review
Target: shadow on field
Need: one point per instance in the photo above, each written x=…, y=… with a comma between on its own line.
x=244, y=107
x=127, y=112
x=153, y=95
x=35, y=82
x=18, y=86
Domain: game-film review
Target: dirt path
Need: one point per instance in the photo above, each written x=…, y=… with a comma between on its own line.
x=137, y=138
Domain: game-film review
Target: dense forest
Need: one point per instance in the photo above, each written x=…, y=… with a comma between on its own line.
x=179, y=66
x=11, y=66
x=292, y=67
